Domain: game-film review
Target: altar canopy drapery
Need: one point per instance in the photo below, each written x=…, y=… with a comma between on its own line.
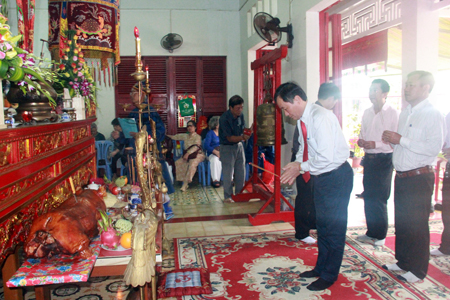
x=25, y=17
x=96, y=23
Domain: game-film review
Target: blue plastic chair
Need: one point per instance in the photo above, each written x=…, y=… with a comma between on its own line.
x=103, y=161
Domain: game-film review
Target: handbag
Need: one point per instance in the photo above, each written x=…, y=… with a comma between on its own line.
x=193, y=155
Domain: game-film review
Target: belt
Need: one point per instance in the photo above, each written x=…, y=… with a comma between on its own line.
x=416, y=172
x=375, y=155
x=328, y=173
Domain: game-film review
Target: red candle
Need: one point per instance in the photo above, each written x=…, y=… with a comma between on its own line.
x=138, y=44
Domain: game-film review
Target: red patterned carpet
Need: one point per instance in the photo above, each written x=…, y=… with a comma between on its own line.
x=267, y=265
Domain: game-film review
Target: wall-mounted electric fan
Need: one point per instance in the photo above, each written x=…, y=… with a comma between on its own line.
x=268, y=28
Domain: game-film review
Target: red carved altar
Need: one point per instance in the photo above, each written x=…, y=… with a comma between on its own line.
x=35, y=164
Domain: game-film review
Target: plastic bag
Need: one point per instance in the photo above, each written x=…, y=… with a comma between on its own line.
x=268, y=178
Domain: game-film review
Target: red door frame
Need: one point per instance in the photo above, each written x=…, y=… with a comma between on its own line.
x=336, y=54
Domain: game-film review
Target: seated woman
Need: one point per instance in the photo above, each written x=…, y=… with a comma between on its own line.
x=212, y=149
x=186, y=166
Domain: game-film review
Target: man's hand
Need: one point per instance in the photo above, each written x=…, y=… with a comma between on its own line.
x=185, y=157
x=361, y=143
x=133, y=134
x=291, y=172
x=245, y=137
x=391, y=137
x=369, y=145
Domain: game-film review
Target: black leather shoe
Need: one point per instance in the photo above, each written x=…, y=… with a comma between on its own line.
x=360, y=195
x=309, y=274
x=319, y=285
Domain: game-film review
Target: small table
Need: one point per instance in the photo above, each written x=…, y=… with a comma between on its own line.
x=42, y=273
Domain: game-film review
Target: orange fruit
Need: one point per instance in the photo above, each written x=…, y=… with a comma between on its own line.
x=125, y=240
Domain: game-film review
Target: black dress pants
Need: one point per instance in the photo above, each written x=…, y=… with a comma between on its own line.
x=331, y=196
x=412, y=233
x=377, y=189
x=305, y=212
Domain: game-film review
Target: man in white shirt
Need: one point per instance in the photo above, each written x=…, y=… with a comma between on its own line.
x=377, y=162
x=305, y=213
x=326, y=164
x=444, y=249
x=416, y=144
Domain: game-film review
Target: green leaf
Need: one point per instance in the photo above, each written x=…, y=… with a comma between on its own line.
x=15, y=39
x=19, y=50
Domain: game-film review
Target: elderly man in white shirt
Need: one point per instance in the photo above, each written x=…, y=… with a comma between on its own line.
x=377, y=162
x=417, y=142
x=325, y=162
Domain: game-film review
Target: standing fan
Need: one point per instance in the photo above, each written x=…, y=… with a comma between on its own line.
x=171, y=41
x=268, y=28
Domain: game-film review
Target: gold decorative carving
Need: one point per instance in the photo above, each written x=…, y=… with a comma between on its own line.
x=24, y=149
x=27, y=183
x=68, y=162
x=46, y=143
x=79, y=133
x=5, y=150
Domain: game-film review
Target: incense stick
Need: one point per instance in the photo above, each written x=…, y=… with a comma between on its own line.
x=256, y=166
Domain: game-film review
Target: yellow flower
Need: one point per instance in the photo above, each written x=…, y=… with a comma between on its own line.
x=11, y=53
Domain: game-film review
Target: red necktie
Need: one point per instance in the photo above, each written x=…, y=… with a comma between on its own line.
x=306, y=175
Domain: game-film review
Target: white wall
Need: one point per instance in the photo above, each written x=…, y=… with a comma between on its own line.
x=208, y=27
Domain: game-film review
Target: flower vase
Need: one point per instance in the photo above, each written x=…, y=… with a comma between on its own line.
x=35, y=105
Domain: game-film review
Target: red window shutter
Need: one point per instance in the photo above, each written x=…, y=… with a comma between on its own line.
x=158, y=77
x=125, y=83
x=214, y=85
x=186, y=75
x=214, y=75
x=157, y=69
